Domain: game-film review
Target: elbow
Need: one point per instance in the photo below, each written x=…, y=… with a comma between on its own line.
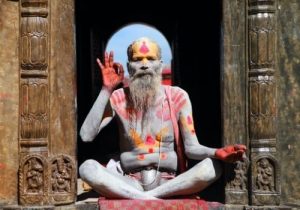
x=85, y=136
x=189, y=153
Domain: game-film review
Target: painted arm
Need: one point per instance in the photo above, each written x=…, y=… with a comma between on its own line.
x=193, y=149
x=101, y=113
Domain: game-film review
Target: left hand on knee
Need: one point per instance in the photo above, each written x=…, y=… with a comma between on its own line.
x=231, y=153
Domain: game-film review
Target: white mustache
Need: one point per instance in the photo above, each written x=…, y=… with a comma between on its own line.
x=141, y=73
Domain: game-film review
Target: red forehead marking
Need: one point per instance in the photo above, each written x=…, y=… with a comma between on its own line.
x=144, y=49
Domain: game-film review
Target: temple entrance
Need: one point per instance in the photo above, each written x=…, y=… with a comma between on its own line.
x=246, y=53
x=199, y=74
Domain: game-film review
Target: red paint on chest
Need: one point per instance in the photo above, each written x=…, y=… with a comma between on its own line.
x=189, y=120
x=141, y=157
x=149, y=140
x=144, y=49
x=163, y=156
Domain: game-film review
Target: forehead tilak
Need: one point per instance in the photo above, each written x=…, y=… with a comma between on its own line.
x=144, y=48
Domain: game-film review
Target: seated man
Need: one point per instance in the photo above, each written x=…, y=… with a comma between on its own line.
x=144, y=110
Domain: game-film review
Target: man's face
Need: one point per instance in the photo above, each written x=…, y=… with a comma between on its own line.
x=144, y=68
x=145, y=59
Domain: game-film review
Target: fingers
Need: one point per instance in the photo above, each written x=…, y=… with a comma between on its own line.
x=100, y=64
x=111, y=59
x=119, y=68
x=106, y=59
x=229, y=148
x=231, y=154
x=235, y=156
x=240, y=147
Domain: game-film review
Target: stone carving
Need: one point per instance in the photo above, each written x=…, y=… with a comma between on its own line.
x=33, y=179
x=262, y=86
x=34, y=176
x=240, y=179
x=237, y=181
x=262, y=94
x=234, y=94
x=265, y=179
x=261, y=40
x=34, y=103
x=265, y=175
x=34, y=43
x=61, y=175
x=34, y=35
x=262, y=29
x=42, y=180
x=34, y=119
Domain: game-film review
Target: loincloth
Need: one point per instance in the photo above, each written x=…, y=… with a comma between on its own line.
x=151, y=177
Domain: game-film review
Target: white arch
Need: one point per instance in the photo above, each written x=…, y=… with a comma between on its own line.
x=122, y=38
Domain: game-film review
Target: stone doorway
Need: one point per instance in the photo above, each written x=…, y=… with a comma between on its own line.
x=38, y=90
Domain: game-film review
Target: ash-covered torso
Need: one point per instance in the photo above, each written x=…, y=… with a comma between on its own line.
x=147, y=139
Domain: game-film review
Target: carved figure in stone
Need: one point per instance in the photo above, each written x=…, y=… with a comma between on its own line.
x=265, y=175
x=148, y=113
x=240, y=179
x=34, y=176
x=61, y=176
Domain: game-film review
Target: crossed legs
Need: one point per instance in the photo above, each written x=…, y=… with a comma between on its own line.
x=113, y=185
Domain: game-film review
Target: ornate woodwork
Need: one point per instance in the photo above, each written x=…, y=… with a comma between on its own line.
x=33, y=178
x=265, y=182
x=237, y=183
x=34, y=105
x=234, y=97
x=44, y=178
x=62, y=185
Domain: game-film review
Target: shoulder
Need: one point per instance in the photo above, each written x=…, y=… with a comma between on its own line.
x=177, y=93
x=179, y=97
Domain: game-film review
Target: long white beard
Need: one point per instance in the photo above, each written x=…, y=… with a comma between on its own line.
x=143, y=91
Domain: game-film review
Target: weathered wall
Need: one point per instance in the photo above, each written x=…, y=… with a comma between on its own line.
x=289, y=98
x=233, y=74
x=62, y=78
x=62, y=85
x=9, y=100
x=288, y=90
x=53, y=22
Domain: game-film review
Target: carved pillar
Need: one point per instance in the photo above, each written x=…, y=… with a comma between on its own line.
x=265, y=172
x=34, y=104
x=234, y=97
x=47, y=170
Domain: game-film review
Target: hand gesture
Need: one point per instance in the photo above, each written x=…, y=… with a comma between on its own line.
x=112, y=73
x=231, y=153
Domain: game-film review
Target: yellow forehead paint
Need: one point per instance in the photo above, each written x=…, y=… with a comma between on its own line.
x=145, y=48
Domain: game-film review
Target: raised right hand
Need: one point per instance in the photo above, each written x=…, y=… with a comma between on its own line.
x=112, y=73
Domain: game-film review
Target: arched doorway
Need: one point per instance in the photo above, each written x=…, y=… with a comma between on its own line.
x=122, y=38
x=191, y=58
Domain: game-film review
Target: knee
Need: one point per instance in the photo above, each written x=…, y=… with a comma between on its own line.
x=88, y=167
x=210, y=170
